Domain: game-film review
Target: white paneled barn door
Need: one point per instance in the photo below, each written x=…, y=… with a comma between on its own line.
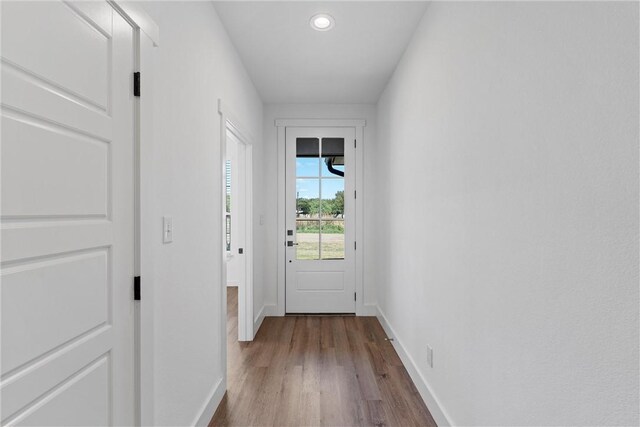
x=67, y=214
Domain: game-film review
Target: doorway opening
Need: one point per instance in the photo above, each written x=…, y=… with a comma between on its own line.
x=331, y=282
x=237, y=225
x=238, y=232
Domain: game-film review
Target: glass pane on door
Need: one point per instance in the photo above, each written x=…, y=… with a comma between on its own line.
x=332, y=228
x=308, y=208
x=320, y=198
x=307, y=198
x=332, y=157
x=308, y=238
x=332, y=195
x=307, y=157
x=332, y=233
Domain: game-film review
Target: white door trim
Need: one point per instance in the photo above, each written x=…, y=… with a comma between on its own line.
x=144, y=126
x=358, y=124
x=335, y=123
x=139, y=19
x=230, y=123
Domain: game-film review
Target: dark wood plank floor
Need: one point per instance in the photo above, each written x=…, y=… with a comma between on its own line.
x=317, y=371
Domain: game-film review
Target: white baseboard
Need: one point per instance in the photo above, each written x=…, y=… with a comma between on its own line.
x=435, y=407
x=258, y=321
x=369, y=310
x=270, y=310
x=211, y=404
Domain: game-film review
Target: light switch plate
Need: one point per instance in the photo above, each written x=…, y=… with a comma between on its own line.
x=167, y=229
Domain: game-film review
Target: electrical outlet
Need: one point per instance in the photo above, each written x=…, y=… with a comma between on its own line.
x=430, y=356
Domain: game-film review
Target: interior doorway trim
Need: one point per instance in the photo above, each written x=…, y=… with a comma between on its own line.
x=358, y=125
x=146, y=38
x=138, y=17
x=230, y=123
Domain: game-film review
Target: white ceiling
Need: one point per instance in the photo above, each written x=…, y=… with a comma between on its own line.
x=290, y=62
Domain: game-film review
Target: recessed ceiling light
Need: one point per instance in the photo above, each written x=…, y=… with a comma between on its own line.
x=322, y=22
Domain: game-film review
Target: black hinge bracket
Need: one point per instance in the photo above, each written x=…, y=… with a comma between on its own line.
x=355, y=194
x=136, y=83
x=136, y=288
x=355, y=246
x=354, y=297
x=355, y=143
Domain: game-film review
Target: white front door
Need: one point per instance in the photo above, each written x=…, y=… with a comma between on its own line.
x=67, y=215
x=320, y=218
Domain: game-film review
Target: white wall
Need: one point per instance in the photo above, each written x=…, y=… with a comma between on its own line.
x=508, y=213
x=195, y=65
x=270, y=163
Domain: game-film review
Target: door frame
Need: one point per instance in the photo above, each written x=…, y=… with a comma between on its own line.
x=358, y=125
x=246, y=332
x=146, y=38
